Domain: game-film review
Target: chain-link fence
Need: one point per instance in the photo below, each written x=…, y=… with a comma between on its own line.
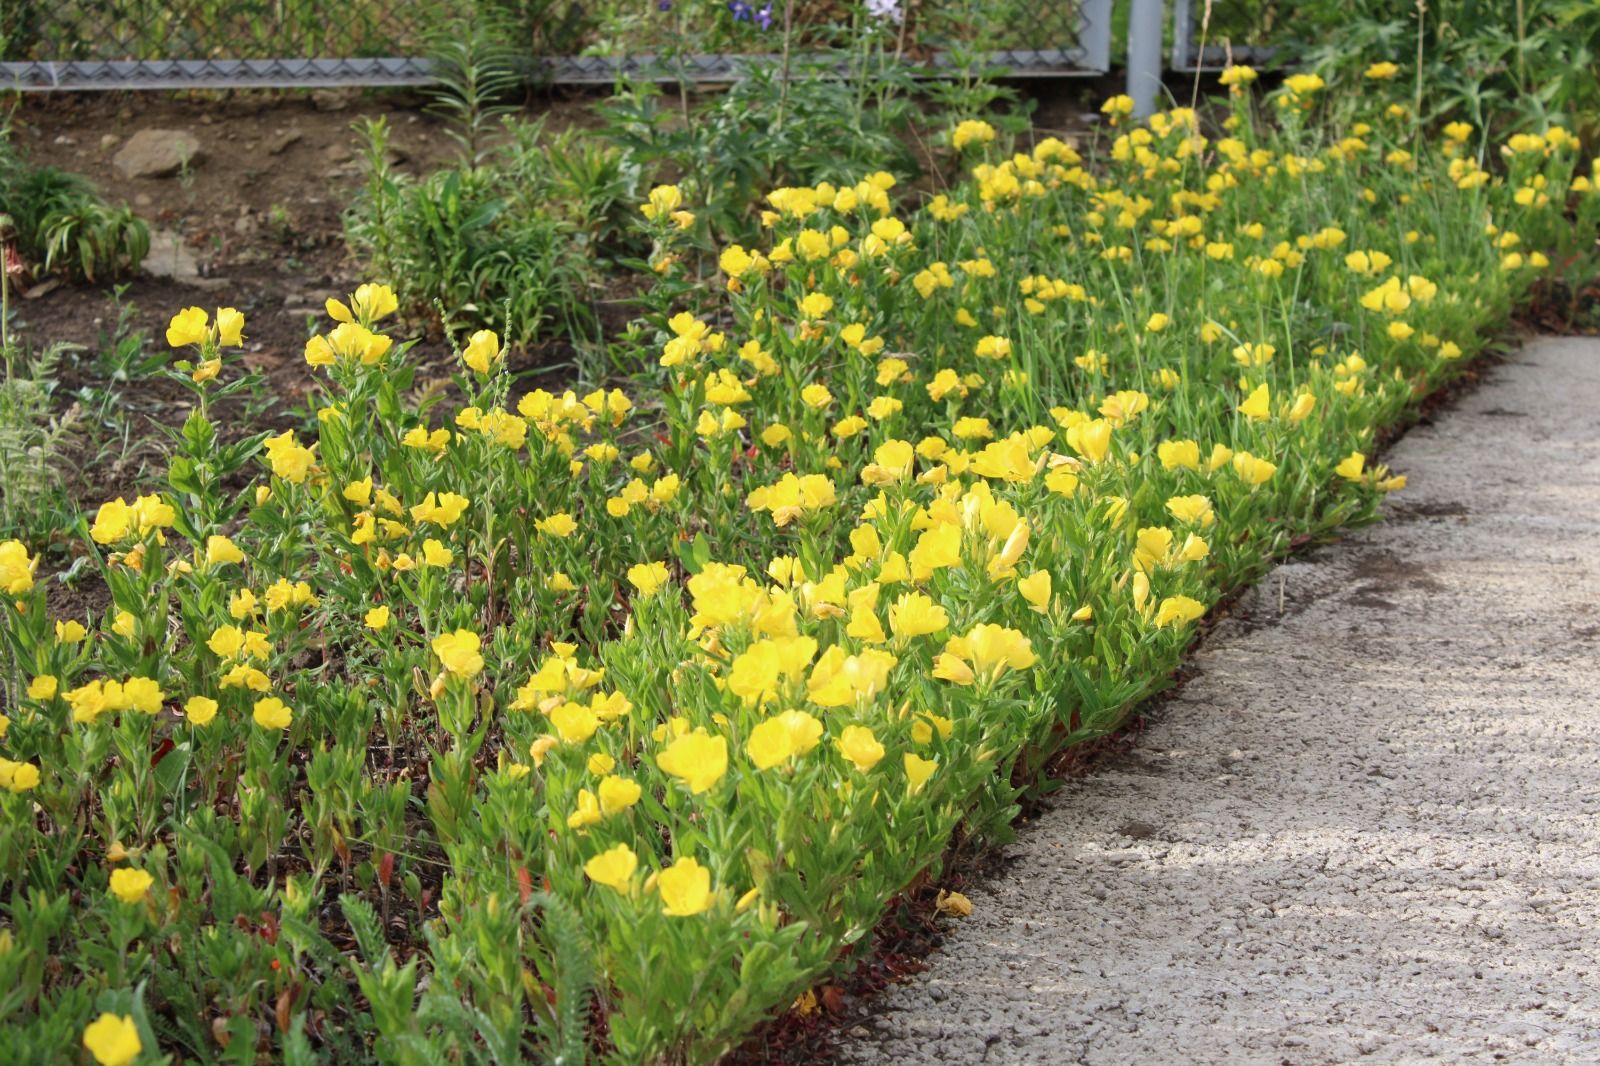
x=76, y=44
x=1210, y=34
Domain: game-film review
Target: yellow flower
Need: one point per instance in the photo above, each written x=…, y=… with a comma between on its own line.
x=230, y=327
x=372, y=302
x=130, y=885
x=783, y=737
x=288, y=460
x=613, y=868
x=43, y=687
x=1382, y=71
x=458, y=652
x=971, y=131
x=915, y=615
x=143, y=695
x=188, y=327
x=858, y=744
x=113, y=1040
x=663, y=200
x=918, y=770
x=618, y=793
x=1179, y=454
x=1090, y=439
x=1157, y=322
x=647, y=577
x=1351, y=467
x=1258, y=404
x=226, y=641
x=1178, y=610
x=588, y=812
x=220, y=550
x=272, y=713
x=18, y=777
x=574, y=722
x=124, y=625
x=992, y=648
x=435, y=553
x=1253, y=470
x=377, y=618
x=483, y=350
x=68, y=632
x=559, y=524
x=200, y=710
x=1035, y=588
x=697, y=759
x=685, y=888
x=16, y=569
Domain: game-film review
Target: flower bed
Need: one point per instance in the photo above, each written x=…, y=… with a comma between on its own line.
x=562, y=724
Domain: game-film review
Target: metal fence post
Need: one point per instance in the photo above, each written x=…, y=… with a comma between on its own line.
x=1144, y=55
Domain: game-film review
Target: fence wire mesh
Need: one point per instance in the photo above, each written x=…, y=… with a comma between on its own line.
x=71, y=44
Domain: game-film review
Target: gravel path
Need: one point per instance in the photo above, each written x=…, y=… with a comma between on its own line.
x=1367, y=829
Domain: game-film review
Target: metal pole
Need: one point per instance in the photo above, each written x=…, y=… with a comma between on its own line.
x=1144, y=55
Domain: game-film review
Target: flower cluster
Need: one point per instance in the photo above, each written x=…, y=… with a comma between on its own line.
x=694, y=676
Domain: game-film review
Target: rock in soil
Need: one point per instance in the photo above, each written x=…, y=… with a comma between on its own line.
x=153, y=153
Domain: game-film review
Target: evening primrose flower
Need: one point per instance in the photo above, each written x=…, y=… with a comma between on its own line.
x=1351, y=467
x=1252, y=469
x=434, y=553
x=685, y=888
x=1258, y=404
x=43, y=687
x=698, y=759
x=230, y=327
x=113, y=1040
x=613, y=867
x=918, y=770
x=860, y=747
x=200, y=710
x=647, y=577
x=189, y=326
x=1035, y=588
x=130, y=885
x=459, y=652
x=70, y=631
x=1178, y=610
x=16, y=569
x=288, y=460
x=915, y=615
x=993, y=649
x=18, y=777
x=220, y=550
x=482, y=352
x=1179, y=454
x=377, y=618
x=272, y=713
x=618, y=794
x=782, y=737
x=662, y=202
x=443, y=509
x=1191, y=510
x=560, y=525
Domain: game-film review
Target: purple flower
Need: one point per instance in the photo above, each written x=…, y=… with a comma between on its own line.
x=740, y=9
x=663, y=5
x=884, y=9
x=764, y=17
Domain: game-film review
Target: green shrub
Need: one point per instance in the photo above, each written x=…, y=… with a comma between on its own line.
x=62, y=225
x=477, y=239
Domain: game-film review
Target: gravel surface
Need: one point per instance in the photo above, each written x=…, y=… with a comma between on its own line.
x=1367, y=829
